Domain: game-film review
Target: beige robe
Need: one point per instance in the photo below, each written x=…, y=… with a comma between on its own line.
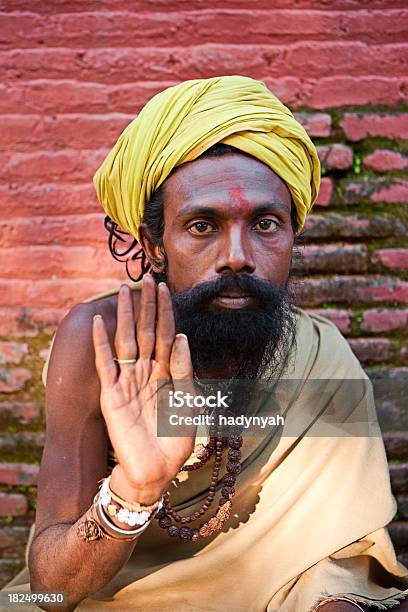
x=308, y=519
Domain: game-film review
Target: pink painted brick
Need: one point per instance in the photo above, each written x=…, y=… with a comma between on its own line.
x=375, y=190
x=399, y=477
x=21, y=321
x=397, y=192
x=335, y=226
x=13, y=379
x=341, y=318
x=12, y=352
x=395, y=259
x=364, y=125
x=403, y=354
x=13, y=504
x=383, y=160
x=371, y=349
x=379, y=320
x=22, y=412
x=315, y=124
x=335, y=156
x=325, y=192
x=13, y=538
x=18, y=473
x=347, y=258
x=354, y=289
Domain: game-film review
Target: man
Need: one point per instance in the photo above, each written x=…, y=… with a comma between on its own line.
x=300, y=522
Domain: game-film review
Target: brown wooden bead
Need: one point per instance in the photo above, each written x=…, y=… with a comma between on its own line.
x=227, y=491
x=201, y=452
x=233, y=467
x=201, y=511
x=195, y=535
x=185, y=533
x=185, y=519
x=212, y=488
x=173, y=531
x=229, y=480
x=235, y=441
x=165, y=522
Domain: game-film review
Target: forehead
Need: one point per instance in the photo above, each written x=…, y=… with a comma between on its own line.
x=232, y=177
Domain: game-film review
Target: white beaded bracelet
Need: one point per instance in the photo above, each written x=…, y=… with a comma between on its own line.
x=123, y=515
x=129, y=532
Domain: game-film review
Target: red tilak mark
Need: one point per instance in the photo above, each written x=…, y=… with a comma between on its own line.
x=238, y=202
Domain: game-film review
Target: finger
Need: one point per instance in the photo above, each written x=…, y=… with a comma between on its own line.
x=125, y=341
x=105, y=366
x=181, y=368
x=147, y=318
x=165, y=328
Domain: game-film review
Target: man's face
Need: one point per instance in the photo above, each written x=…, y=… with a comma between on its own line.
x=228, y=243
x=226, y=215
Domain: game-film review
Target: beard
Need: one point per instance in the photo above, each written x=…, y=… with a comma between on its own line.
x=254, y=341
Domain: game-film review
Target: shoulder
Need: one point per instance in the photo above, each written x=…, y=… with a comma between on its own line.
x=73, y=337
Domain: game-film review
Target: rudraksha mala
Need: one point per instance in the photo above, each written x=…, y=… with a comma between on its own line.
x=203, y=454
x=222, y=514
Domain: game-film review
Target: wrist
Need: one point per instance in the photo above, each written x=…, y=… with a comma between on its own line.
x=145, y=494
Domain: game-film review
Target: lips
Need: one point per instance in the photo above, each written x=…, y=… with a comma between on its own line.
x=233, y=300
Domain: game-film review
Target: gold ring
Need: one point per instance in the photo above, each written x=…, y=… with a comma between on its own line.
x=124, y=360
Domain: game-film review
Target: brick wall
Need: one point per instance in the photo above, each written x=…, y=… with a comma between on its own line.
x=72, y=79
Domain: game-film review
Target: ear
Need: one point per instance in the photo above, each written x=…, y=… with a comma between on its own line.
x=154, y=252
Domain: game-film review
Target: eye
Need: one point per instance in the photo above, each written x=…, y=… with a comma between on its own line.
x=266, y=225
x=201, y=227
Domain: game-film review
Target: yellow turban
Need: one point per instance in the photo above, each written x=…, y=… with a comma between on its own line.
x=180, y=123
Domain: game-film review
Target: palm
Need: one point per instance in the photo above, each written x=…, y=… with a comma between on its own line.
x=129, y=400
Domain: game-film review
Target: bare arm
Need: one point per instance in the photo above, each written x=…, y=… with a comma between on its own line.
x=79, y=410
x=74, y=460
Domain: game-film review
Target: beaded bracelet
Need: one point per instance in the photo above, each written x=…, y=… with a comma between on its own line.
x=114, y=532
x=132, y=506
x=118, y=507
x=95, y=526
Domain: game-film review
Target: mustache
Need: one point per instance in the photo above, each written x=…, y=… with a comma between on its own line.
x=203, y=294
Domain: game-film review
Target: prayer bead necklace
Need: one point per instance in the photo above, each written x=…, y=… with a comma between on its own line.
x=167, y=513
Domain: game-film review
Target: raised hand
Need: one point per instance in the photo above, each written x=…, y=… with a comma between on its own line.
x=147, y=463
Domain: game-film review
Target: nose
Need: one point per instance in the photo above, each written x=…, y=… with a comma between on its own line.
x=235, y=255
